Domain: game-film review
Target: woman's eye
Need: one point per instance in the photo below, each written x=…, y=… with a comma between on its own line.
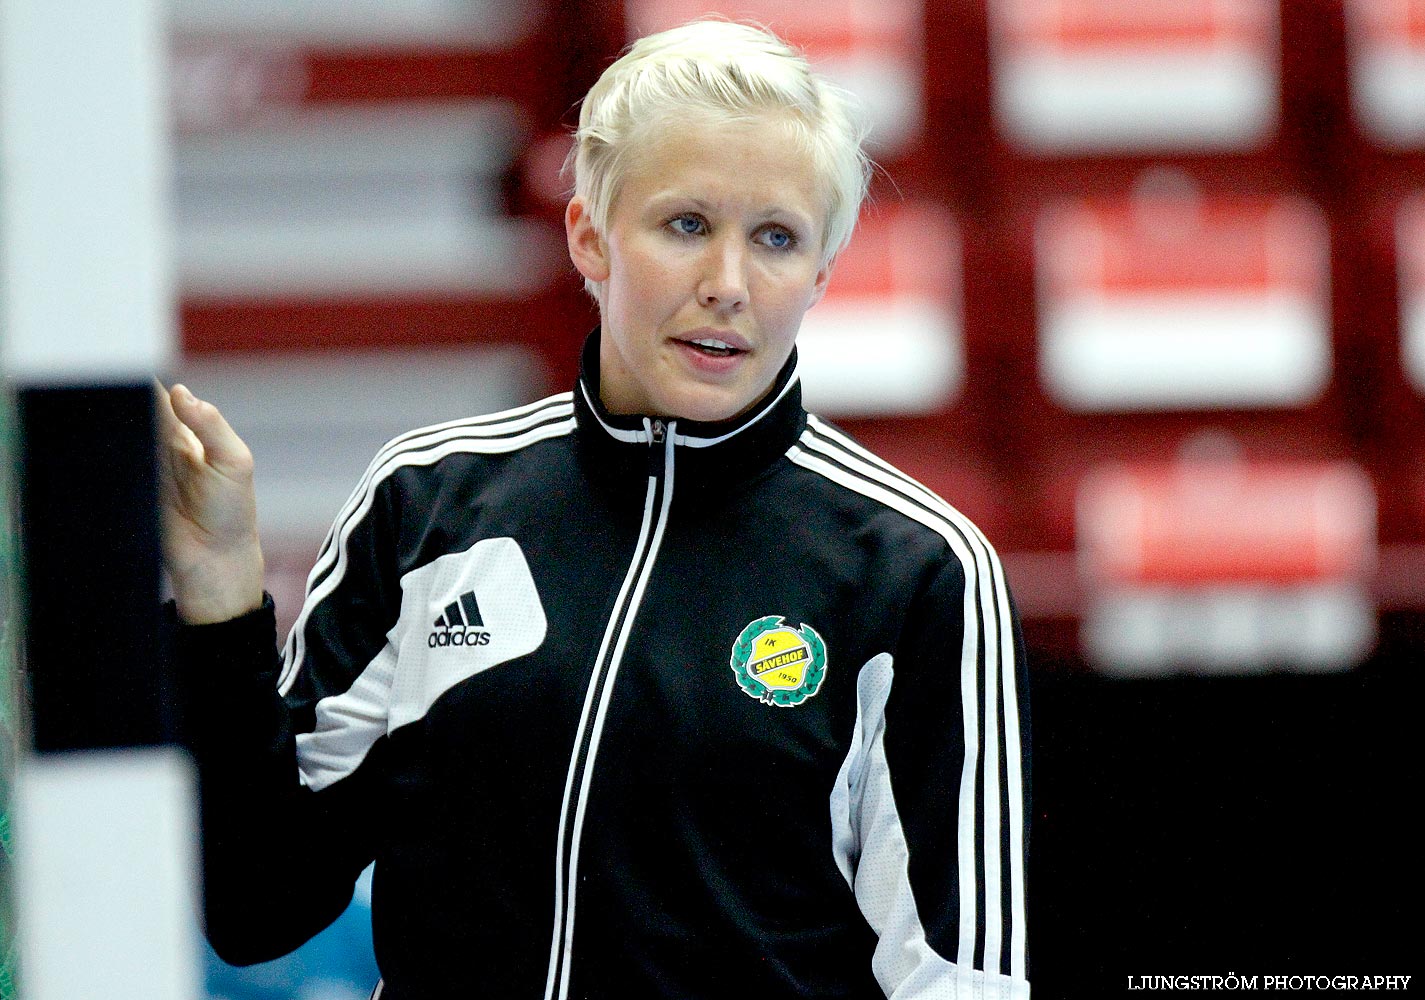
x=687, y=225
x=778, y=239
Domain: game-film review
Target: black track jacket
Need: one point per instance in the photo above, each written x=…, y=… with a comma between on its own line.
x=630, y=708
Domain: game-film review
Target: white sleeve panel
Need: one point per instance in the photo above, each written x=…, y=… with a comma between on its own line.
x=869, y=844
x=873, y=686
x=348, y=725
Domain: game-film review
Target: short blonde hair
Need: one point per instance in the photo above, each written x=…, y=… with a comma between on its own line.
x=719, y=71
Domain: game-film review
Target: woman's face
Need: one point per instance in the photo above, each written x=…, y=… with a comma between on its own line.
x=711, y=256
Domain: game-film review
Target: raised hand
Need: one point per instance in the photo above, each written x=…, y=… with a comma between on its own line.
x=210, y=543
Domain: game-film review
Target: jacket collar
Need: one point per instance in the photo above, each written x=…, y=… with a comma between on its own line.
x=731, y=449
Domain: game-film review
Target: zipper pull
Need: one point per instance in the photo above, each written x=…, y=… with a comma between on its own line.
x=657, y=431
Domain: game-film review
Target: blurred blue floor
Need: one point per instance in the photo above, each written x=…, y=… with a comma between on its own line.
x=337, y=964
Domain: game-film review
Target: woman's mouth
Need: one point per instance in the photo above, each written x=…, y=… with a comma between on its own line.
x=713, y=347
x=716, y=357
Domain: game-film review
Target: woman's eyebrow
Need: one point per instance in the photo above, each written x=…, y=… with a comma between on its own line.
x=770, y=212
x=671, y=194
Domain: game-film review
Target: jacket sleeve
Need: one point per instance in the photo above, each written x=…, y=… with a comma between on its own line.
x=943, y=811
x=279, y=862
x=285, y=839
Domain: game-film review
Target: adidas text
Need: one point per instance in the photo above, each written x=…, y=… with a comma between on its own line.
x=458, y=637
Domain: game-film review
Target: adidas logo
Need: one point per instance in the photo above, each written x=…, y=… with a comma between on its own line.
x=460, y=624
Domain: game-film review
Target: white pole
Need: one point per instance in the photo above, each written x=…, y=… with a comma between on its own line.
x=85, y=276
x=105, y=834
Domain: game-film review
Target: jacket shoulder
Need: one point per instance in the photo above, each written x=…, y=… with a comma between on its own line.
x=851, y=470
x=491, y=433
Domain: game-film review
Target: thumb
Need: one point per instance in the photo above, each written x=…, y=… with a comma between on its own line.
x=222, y=448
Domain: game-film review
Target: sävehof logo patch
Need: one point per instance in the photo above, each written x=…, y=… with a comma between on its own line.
x=777, y=664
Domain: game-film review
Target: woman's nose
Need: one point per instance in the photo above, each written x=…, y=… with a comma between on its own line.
x=724, y=283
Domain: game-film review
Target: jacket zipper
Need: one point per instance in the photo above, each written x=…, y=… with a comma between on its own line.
x=656, y=503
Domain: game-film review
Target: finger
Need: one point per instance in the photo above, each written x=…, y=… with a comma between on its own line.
x=179, y=452
x=172, y=431
x=168, y=421
x=221, y=447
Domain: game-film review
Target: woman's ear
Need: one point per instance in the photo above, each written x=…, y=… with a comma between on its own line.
x=819, y=286
x=586, y=247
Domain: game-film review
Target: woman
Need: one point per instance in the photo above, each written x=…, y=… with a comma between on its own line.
x=749, y=695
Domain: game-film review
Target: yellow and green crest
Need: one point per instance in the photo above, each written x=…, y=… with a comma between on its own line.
x=778, y=664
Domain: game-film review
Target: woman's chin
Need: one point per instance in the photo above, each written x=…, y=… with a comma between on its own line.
x=709, y=405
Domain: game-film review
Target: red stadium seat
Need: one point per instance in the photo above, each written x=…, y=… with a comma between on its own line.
x=1170, y=325
x=1076, y=76
x=1174, y=301
x=1214, y=564
x=887, y=338
x=1387, y=44
x=1164, y=315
